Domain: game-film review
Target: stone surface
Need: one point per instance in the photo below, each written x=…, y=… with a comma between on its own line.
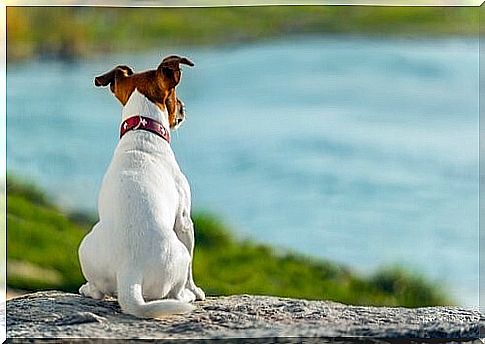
x=57, y=314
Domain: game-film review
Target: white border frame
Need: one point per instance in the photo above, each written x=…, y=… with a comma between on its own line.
x=148, y=3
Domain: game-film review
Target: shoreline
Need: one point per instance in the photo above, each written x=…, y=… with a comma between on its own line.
x=81, y=32
x=331, y=37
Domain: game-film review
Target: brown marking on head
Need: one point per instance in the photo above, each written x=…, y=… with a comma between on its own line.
x=157, y=85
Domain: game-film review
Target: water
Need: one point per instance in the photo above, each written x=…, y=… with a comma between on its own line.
x=362, y=151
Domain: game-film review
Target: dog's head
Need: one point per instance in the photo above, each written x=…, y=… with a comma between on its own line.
x=157, y=85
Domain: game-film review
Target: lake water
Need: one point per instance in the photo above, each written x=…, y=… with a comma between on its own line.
x=362, y=151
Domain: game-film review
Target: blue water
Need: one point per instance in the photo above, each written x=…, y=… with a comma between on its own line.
x=362, y=151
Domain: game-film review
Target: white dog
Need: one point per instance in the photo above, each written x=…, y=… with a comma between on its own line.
x=141, y=248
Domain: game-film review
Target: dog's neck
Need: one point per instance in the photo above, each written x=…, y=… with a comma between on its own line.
x=139, y=105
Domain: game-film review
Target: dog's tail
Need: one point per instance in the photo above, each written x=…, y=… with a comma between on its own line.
x=131, y=301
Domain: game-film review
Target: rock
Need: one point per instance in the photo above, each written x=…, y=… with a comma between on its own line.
x=57, y=314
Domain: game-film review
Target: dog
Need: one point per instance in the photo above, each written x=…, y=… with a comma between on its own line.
x=141, y=249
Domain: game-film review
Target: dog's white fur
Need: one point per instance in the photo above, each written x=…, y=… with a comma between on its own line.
x=141, y=248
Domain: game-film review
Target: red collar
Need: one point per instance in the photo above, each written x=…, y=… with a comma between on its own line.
x=144, y=123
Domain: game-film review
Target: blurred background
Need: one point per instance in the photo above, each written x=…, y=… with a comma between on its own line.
x=332, y=151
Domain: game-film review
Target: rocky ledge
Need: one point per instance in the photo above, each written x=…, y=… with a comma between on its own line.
x=57, y=314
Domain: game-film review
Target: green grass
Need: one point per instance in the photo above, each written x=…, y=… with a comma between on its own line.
x=83, y=31
x=42, y=253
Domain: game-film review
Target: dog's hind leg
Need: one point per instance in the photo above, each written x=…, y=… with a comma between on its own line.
x=184, y=228
x=89, y=290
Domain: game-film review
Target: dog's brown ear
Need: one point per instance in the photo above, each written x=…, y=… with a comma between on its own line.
x=174, y=61
x=109, y=77
x=170, y=69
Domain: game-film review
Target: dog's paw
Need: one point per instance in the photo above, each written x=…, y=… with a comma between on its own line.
x=186, y=295
x=83, y=290
x=89, y=291
x=199, y=293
